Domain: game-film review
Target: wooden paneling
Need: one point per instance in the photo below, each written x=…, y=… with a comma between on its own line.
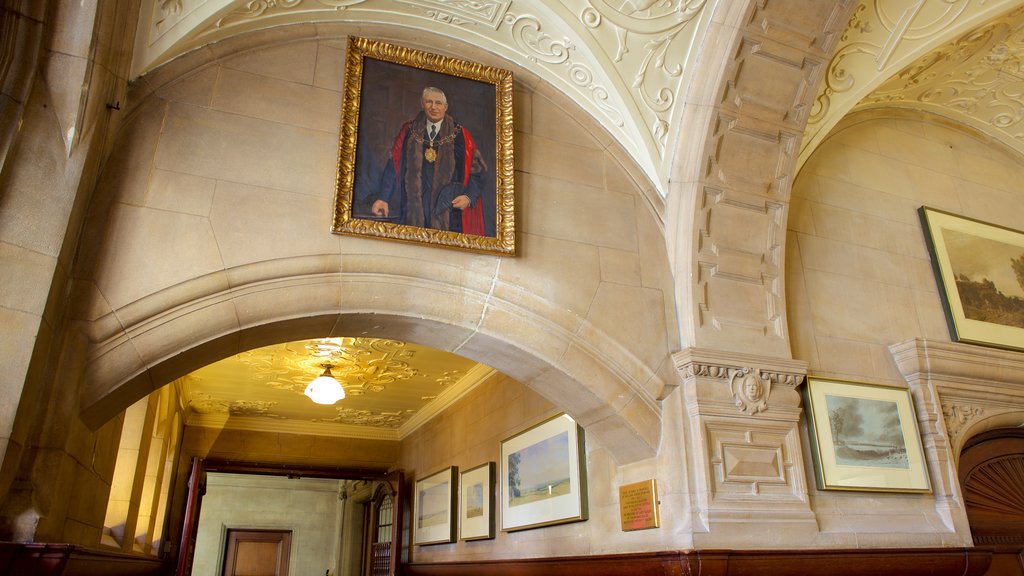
x=68, y=560
x=896, y=562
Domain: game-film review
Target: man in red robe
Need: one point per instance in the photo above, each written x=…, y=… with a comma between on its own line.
x=434, y=174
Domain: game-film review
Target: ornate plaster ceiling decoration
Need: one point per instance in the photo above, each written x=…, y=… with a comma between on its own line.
x=920, y=43
x=627, y=63
x=391, y=387
x=978, y=80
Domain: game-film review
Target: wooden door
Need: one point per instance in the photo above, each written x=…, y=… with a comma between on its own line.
x=257, y=553
x=196, y=489
x=991, y=471
x=383, y=552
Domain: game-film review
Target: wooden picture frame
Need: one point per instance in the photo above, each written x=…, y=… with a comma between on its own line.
x=434, y=507
x=864, y=437
x=386, y=153
x=476, y=503
x=544, y=475
x=980, y=271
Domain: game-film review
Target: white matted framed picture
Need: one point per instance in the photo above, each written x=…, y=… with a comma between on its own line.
x=980, y=270
x=434, y=506
x=544, y=475
x=476, y=503
x=865, y=437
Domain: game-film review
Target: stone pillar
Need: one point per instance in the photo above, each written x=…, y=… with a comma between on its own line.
x=744, y=449
x=959, y=391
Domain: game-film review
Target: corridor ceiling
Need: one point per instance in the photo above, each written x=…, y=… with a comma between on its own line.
x=391, y=387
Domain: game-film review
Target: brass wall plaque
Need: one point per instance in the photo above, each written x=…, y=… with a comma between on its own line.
x=638, y=505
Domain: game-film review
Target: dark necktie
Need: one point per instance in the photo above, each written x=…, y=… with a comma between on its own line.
x=433, y=131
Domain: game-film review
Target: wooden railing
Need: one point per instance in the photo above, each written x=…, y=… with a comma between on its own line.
x=69, y=560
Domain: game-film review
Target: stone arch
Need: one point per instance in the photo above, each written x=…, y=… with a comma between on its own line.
x=145, y=314
x=732, y=174
x=126, y=366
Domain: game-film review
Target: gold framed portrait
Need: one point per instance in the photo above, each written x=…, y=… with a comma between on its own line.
x=425, y=153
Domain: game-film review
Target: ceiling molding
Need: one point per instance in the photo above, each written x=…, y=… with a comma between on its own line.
x=881, y=40
x=976, y=80
x=449, y=396
x=627, y=65
x=305, y=428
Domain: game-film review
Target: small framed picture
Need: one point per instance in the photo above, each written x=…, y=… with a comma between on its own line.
x=435, y=502
x=865, y=437
x=476, y=503
x=544, y=475
x=980, y=270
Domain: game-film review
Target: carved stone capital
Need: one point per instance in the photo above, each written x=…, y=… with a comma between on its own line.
x=749, y=379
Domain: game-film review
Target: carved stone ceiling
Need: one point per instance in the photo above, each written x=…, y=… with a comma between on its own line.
x=627, y=62
x=961, y=59
x=391, y=387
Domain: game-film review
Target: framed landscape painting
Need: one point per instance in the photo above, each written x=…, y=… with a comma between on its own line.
x=864, y=437
x=425, y=153
x=476, y=503
x=434, y=505
x=980, y=271
x=544, y=476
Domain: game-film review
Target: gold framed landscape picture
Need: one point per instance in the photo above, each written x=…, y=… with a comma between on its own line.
x=434, y=507
x=864, y=437
x=425, y=153
x=544, y=475
x=980, y=271
x=476, y=503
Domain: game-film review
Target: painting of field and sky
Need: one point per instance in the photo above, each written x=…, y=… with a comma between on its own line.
x=539, y=471
x=867, y=432
x=989, y=277
x=980, y=269
x=434, y=502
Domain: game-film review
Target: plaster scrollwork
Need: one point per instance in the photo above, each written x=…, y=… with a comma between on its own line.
x=657, y=76
x=538, y=46
x=979, y=75
x=168, y=11
x=367, y=418
x=958, y=416
x=464, y=12
x=260, y=8
x=206, y=404
x=874, y=34
x=364, y=365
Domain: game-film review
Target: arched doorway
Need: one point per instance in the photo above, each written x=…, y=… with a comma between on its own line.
x=991, y=474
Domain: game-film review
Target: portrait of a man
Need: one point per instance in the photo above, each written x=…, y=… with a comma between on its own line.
x=426, y=149
x=435, y=174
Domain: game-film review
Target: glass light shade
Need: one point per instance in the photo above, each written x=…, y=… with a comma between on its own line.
x=324, y=389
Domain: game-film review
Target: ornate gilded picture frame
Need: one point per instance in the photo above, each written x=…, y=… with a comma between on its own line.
x=864, y=437
x=425, y=153
x=980, y=271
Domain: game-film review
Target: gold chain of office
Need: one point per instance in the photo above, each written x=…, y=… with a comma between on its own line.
x=430, y=154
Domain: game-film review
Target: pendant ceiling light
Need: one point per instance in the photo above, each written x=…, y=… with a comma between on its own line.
x=325, y=389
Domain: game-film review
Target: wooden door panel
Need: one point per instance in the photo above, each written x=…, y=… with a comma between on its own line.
x=257, y=553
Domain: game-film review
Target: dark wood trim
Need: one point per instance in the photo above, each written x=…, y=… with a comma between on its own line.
x=293, y=471
x=902, y=562
x=71, y=560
